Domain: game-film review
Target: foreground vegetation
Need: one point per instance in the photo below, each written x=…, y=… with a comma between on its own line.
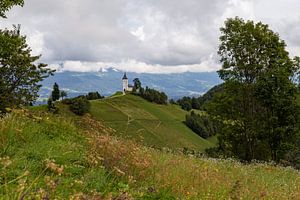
x=64, y=156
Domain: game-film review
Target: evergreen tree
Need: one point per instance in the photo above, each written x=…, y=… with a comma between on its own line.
x=55, y=92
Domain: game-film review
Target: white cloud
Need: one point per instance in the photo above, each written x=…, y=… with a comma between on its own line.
x=207, y=65
x=145, y=36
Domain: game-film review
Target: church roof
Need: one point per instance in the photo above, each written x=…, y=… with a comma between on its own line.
x=125, y=77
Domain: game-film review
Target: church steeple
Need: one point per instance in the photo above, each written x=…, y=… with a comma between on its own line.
x=125, y=76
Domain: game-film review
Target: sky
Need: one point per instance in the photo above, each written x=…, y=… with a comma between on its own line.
x=144, y=36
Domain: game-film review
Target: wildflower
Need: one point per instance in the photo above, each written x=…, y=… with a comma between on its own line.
x=50, y=164
x=5, y=162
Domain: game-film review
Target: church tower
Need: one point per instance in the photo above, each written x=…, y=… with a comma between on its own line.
x=125, y=83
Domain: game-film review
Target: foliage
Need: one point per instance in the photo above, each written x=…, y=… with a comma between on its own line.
x=20, y=76
x=63, y=94
x=51, y=106
x=188, y=103
x=185, y=103
x=172, y=101
x=55, y=92
x=202, y=124
x=149, y=94
x=257, y=105
x=155, y=96
x=137, y=85
x=6, y=5
x=80, y=105
x=93, y=96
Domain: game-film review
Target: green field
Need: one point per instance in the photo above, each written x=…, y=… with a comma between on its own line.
x=155, y=125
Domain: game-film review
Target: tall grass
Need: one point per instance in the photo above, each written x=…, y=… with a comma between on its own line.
x=194, y=178
x=46, y=156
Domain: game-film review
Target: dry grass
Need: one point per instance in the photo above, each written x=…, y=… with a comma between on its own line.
x=193, y=178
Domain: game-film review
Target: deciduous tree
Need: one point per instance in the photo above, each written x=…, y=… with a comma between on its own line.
x=258, y=102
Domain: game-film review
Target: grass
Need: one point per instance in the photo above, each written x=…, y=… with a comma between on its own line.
x=155, y=125
x=46, y=156
x=188, y=177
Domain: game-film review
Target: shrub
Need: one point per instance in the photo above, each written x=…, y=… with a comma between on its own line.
x=93, y=96
x=80, y=105
x=51, y=106
x=67, y=101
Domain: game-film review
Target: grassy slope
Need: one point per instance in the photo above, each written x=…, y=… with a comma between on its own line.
x=156, y=125
x=68, y=157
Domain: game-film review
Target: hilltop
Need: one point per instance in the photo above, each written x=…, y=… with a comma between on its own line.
x=154, y=125
x=108, y=81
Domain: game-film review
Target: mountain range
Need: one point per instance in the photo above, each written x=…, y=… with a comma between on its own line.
x=108, y=81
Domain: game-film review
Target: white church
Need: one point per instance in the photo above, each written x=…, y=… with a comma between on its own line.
x=126, y=87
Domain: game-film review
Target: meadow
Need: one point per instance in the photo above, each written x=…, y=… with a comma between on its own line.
x=154, y=125
x=63, y=156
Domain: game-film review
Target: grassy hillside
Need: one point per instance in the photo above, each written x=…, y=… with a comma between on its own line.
x=46, y=156
x=155, y=125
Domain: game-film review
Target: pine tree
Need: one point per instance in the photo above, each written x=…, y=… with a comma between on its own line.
x=55, y=92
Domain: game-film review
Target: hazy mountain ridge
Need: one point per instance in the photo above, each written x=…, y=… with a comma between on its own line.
x=108, y=82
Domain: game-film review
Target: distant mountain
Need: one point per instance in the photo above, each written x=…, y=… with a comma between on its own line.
x=107, y=82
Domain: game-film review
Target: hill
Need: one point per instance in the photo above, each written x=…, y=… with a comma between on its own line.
x=108, y=81
x=155, y=125
x=62, y=156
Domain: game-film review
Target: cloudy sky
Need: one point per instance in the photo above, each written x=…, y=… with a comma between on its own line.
x=156, y=36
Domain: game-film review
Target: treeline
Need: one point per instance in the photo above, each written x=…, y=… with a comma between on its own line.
x=202, y=124
x=149, y=94
x=78, y=105
x=189, y=103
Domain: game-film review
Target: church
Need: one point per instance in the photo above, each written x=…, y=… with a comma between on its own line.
x=126, y=87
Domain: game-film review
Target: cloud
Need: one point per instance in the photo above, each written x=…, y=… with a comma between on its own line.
x=153, y=36
x=207, y=65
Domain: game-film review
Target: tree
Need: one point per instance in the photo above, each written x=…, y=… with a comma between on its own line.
x=136, y=85
x=80, y=105
x=259, y=97
x=6, y=5
x=63, y=94
x=55, y=92
x=20, y=72
x=20, y=75
x=93, y=96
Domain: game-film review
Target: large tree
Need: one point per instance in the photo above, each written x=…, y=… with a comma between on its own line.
x=258, y=101
x=20, y=72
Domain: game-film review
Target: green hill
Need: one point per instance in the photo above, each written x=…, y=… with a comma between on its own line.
x=153, y=124
x=63, y=156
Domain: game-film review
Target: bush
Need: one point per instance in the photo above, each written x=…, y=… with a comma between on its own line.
x=67, y=101
x=51, y=106
x=80, y=106
x=94, y=96
x=153, y=95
